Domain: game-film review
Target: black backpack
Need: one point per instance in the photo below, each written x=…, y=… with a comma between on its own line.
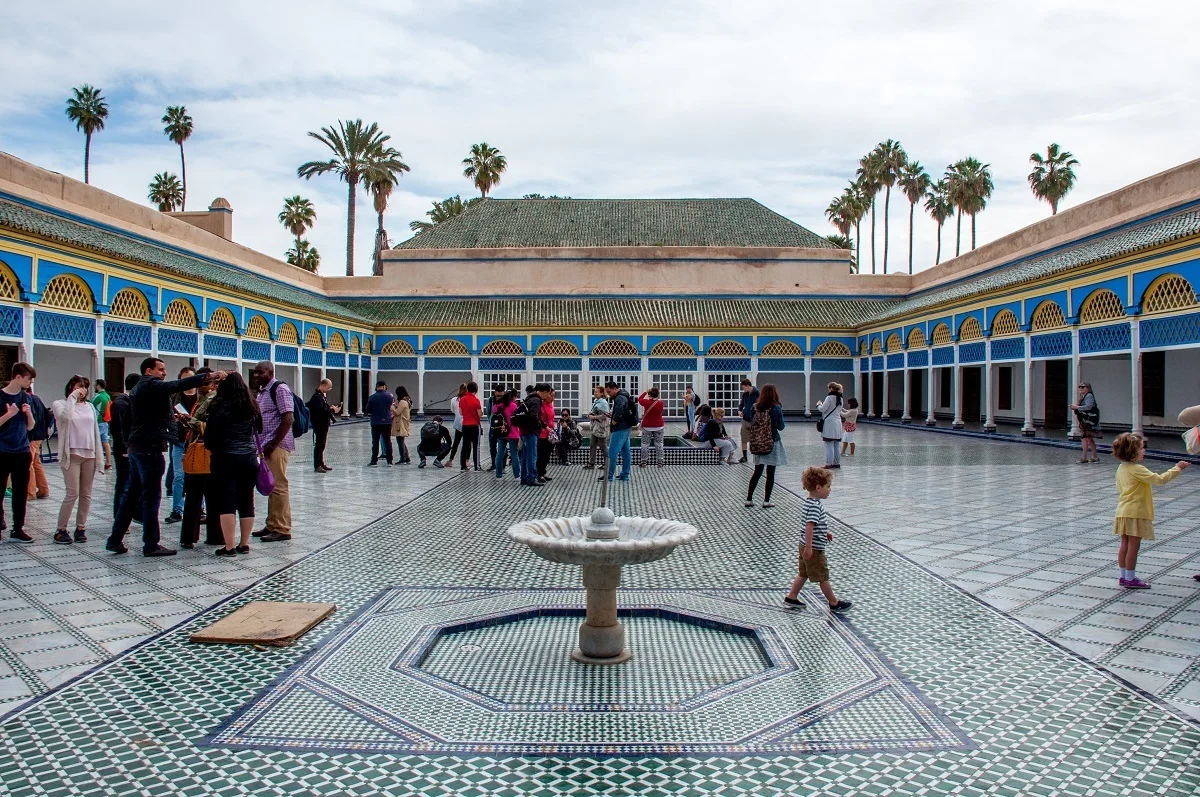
x=431, y=433
x=525, y=418
x=499, y=422
x=631, y=411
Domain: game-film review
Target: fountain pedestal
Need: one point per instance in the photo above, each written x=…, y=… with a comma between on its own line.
x=601, y=635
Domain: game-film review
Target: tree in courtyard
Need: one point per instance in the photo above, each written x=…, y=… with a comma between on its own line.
x=940, y=208
x=166, y=191
x=445, y=210
x=353, y=144
x=484, y=166
x=381, y=176
x=178, y=127
x=970, y=184
x=88, y=109
x=855, y=207
x=842, y=217
x=1053, y=176
x=298, y=217
x=867, y=185
x=304, y=255
x=914, y=182
x=842, y=241
x=890, y=158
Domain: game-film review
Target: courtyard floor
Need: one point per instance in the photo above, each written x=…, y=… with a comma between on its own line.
x=979, y=657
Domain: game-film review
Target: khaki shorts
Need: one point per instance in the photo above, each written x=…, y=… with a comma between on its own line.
x=745, y=432
x=815, y=569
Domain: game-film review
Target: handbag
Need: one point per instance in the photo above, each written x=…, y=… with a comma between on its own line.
x=197, y=460
x=265, y=483
x=1191, y=439
x=821, y=420
x=601, y=426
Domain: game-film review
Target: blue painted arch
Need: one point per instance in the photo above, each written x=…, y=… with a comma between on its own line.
x=1032, y=303
x=1189, y=270
x=49, y=269
x=1118, y=285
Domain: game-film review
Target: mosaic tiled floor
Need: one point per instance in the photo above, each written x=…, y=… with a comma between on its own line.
x=1024, y=716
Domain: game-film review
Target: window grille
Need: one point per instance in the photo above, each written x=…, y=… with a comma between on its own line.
x=725, y=391
x=876, y=346
x=1005, y=323
x=941, y=335
x=313, y=338
x=1101, y=305
x=222, y=321
x=446, y=347
x=566, y=387
x=970, y=330
x=670, y=390
x=354, y=343
x=557, y=348
x=785, y=348
x=68, y=293
x=130, y=303
x=10, y=288
x=615, y=348
x=502, y=348
x=916, y=338
x=727, y=348
x=672, y=348
x=288, y=334
x=510, y=380
x=180, y=313
x=398, y=347
x=336, y=342
x=1048, y=315
x=628, y=382
x=894, y=343
x=258, y=329
x=1171, y=292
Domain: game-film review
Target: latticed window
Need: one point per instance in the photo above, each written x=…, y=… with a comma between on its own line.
x=614, y=348
x=941, y=335
x=222, y=322
x=832, y=348
x=366, y=344
x=862, y=348
x=1101, y=305
x=1048, y=315
x=502, y=348
x=1171, y=292
x=397, y=347
x=130, y=303
x=354, y=344
x=970, y=330
x=258, y=329
x=446, y=347
x=180, y=313
x=68, y=293
x=558, y=348
x=916, y=338
x=894, y=343
x=288, y=334
x=337, y=342
x=313, y=338
x=785, y=348
x=1005, y=323
x=10, y=287
x=727, y=348
x=876, y=347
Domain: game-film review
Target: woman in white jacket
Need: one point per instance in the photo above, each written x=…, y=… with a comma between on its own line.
x=80, y=455
x=829, y=413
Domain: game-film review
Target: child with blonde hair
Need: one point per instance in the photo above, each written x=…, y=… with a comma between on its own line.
x=812, y=563
x=1134, y=519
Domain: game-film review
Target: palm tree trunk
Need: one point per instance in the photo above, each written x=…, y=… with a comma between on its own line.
x=912, y=212
x=1053, y=207
x=183, y=168
x=857, y=246
x=87, y=155
x=972, y=232
x=377, y=266
x=958, y=235
x=887, y=211
x=350, y=231
x=872, y=236
x=297, y=250
x=938, y=259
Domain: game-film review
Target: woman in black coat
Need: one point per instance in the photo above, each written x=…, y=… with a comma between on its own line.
x=230, y=436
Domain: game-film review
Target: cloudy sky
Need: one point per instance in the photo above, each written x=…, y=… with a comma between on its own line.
x=770, y=100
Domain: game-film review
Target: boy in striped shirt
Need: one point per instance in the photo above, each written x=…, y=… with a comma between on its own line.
x=812, y=564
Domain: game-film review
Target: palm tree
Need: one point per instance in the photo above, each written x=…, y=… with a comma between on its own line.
x=178, y=127
x=1053, y=176
x=970, y=188
x=868, y=185
x=939, y=206
x=354, y=145
x=855, y=207
x=298, y=216
x=88, y=110
x=382, y=174
x=304, y=255
x=891, y=158
x=914, y=182
x=445, y=210
x=484, y=166
x=166, y=191
x=840, y=216
x=842, y=241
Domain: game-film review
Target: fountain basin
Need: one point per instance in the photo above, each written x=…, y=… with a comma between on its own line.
x=637, y=540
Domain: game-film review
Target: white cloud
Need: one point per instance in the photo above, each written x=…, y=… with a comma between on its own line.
x=771, y=100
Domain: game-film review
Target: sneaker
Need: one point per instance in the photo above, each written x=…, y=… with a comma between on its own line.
x=61, y=537
x=422, y=464
x=389, y=463
x=20, y=536
x=372, y=464
x=276, y=536
x=159, y=551
x=622, y=478
x=80, y=535
x=548, y=478
x=1123, y=582
x=174, y=517
x=749, y=503
x=743, y=460
x=840, y=606
x=768, y=505
x=1136, y=583
x=242, y=549
x=790, y=601
x=223, y=551
x=326, y=468
x=115, y=547
x=438, y=464
x=464, y=469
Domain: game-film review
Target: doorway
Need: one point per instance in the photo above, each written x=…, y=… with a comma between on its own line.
x=352, y=407
x=1057, y=393
x=114, y=374
x=916, y=393
x=972, y=381
x=877, y=394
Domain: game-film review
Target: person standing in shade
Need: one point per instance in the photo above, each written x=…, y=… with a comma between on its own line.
x=402, y=423
x=153, y=423
x=275, y=403
x=470, y=412
x=121, y=419
x=233, y=421
x=653, y=427
x=102, y=401
x=598, y=430
x=16, y=421
x=323, y=415
x=746, y=410
x=197, y=486
x=379, y=407
x=768, y=420
x=187, y=400
x=829, y=425
x=494, y=440
x=43, y=427
x=624, y=418
x=80, y=455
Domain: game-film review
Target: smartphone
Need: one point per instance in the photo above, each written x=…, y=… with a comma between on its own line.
x=182, y=410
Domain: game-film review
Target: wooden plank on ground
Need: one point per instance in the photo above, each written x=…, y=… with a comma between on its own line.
x=277, y=623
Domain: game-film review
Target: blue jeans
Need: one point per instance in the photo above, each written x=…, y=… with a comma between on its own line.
x=691, y=418
x=177, y=476
x=145, y=485
x=618, y=446
x=529, y=448
x=506, y=448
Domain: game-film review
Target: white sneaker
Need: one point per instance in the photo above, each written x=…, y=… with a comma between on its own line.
x=769, y=505
x=749, y=503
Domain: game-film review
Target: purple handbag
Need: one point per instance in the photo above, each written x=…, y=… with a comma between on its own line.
x=265, y=483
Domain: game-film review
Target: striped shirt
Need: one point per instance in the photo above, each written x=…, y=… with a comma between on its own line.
x=813, y=511
x=273, y=414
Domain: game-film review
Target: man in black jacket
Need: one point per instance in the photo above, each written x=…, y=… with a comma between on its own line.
x=152, y=425
x=121, y=413
x=323, y=414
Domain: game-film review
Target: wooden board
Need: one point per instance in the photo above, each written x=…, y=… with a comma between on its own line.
x=277, y=623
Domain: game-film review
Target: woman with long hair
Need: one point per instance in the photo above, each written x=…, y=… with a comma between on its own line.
x=458, y=424
x=402, y=423
x=196, y=485
x=80, y=455
x=233, y=421
x=829, y=413
x=769, y=407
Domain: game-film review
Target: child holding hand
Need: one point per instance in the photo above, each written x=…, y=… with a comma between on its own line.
x=1134, y=520
x=812, y=563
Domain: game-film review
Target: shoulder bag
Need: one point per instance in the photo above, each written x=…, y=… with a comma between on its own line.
x=197, y=460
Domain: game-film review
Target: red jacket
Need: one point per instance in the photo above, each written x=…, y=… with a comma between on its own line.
x=652, y=412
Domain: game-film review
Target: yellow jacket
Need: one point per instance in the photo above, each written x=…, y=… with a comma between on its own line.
x=1133, y=486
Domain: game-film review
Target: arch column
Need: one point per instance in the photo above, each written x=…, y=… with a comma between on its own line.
x=870, y=386
x=930, y=419
x=1075, y=432
x=1027, y=429
x=958, y=419
x=475, y=375
x=808, y=391
x=420, y=384
x=1135, y=376
x=857, y=377
x=26, y=351
x=885, y=415
x=98, y=352
x=346, y=385
x=989, y=388
x=906, y=415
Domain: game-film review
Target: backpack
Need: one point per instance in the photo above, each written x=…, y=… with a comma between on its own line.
x=631, y=411
x=762, y=434
x=526, y=419
x=301, y=420
x=431, y=434
x=499, y=422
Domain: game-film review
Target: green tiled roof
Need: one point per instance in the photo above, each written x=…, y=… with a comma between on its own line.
x=515, y=223
x=639, y=313
x=15, y=216
x=1130, y=240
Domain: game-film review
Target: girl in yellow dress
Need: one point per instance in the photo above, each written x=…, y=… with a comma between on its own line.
x=1134, y=520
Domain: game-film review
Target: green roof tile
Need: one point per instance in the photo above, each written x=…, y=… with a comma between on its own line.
x=516, y=223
